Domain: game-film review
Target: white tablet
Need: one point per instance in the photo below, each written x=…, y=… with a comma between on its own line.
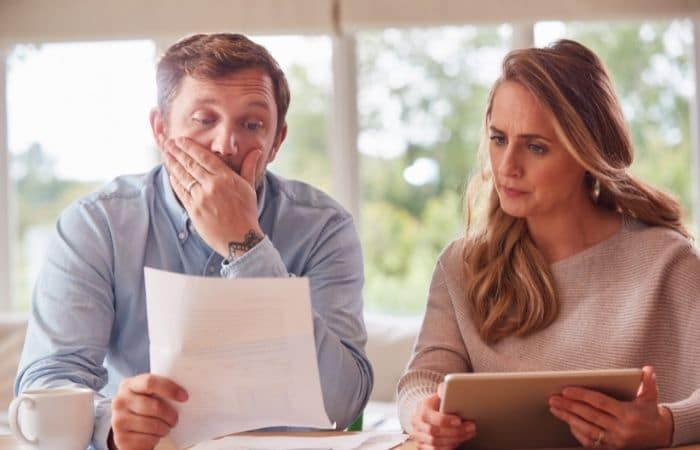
x=511, y=410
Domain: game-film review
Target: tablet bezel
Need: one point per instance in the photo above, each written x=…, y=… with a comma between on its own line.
x=511, y=409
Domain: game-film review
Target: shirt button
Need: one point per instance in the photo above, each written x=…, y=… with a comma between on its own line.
x=182, y=236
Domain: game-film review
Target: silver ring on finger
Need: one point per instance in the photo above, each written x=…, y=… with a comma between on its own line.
x=190, y=185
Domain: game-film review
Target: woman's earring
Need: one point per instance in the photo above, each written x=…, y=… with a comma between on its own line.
x=596, y=189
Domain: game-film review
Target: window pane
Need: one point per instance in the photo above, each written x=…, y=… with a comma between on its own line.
x=306, y=60
x=422, y=95
x=78, y=117
x=651, y=66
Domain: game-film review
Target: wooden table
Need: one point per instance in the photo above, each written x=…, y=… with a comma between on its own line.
x=9, y=443
x=408, y=445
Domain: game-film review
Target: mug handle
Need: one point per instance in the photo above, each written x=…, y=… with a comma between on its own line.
x=14, y=419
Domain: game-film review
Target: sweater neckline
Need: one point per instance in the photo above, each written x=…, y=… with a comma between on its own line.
x=626, y=224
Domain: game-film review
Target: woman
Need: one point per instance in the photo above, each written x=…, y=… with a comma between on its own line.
x=576, y=265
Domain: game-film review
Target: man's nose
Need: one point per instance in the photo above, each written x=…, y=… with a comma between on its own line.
x=225, y=143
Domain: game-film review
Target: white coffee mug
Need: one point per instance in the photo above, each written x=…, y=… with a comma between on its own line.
x=55, y=419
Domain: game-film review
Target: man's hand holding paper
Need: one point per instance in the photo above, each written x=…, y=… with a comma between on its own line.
x=142, y=411
x=243, y=349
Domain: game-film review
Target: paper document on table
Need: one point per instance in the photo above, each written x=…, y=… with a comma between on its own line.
x=243, y=349
x=348, y=441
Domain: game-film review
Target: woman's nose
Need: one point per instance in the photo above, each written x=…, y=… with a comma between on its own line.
x=510, y=165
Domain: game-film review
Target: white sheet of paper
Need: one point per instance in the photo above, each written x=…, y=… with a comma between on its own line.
x=371, y=440
x=243, y=349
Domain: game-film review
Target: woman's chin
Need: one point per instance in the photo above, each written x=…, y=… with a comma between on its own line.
x=517, y=211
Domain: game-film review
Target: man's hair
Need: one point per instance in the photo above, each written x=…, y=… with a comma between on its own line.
x=213, y=56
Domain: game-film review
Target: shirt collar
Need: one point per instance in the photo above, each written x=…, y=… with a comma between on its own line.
x=178, y=215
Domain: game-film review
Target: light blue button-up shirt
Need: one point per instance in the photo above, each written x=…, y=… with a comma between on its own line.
x=88, y=323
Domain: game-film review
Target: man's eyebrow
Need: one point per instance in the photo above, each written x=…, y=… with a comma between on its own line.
x=206, y=100
x=213, y=100
x=259, y=104
x=523, y=136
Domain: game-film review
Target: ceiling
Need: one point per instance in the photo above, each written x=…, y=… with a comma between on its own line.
x=34, y=21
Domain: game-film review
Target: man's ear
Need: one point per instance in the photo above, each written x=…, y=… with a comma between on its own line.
x=157, y=120
x=281, y=135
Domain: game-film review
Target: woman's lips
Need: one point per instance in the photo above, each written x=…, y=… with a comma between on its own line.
x=512, y=192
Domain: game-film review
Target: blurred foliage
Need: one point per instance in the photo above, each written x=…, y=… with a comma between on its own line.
x=39, y=198
x=441, y=102
x=653, y=76
x=449, y=72
x=304, y=154
x=40, y=195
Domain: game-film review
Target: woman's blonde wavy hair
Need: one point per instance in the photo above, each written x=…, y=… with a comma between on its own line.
x=509, y=286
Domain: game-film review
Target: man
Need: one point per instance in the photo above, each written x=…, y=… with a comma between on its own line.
x=212, y=209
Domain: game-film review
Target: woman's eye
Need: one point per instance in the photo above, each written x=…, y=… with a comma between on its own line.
x=498, y=140
x=252, y=125
x=537, y=149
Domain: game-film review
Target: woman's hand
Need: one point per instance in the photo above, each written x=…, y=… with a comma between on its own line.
x=597, y=420
x=433, y=430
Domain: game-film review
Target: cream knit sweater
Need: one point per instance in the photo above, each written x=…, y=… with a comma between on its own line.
x=629, y=301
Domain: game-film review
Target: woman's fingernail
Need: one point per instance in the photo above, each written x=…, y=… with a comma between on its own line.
x=455, y=422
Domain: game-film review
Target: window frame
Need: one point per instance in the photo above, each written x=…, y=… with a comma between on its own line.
x=344, y=126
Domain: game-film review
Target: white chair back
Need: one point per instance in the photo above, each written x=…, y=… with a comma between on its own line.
x=390, y=341
x=13, y=328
